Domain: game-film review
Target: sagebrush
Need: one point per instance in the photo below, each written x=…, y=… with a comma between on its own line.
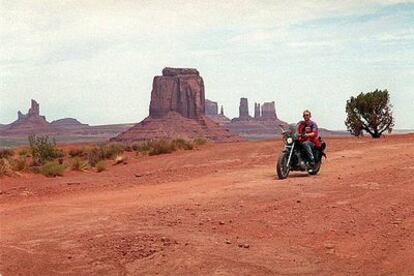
x=52, y=169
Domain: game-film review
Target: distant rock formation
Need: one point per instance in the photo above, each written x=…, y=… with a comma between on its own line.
x=68, y=123
x=178, y=90
x=268, y=111
x=30, y=123
x=264, y=124
x=177, y=109
x=211, y=108
x=257, y=112
x=212, y=113
x=244, y=109
x=34, y=112
x=70, y=129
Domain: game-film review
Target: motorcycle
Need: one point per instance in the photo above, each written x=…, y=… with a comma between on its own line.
x=294, y=156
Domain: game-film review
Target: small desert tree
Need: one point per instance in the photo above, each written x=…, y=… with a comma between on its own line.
x=370, y=112
x=42, y=149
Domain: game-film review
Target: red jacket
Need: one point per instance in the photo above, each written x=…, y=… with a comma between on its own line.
x=310, y=127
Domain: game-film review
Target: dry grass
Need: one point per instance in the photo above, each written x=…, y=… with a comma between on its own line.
x=200, y=141
x=101, y=166
x=19, y=165
x=162, y=146
x=5, y=167
x=120, y=159
x=6, y=153
x=78, y=164
x=76, y=152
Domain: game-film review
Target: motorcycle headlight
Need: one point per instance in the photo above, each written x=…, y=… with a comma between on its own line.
x=289, y=140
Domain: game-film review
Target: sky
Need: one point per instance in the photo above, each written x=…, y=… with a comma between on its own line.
x=95, y=60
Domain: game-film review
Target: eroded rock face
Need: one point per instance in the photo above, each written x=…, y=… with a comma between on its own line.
x=173, y=72
x=264, y=124
x=69, y=128
x=257, y=113
x=34, y=109
x=34, y=112
x=30, y=123
x=211, y=107
x=212, y=113
x=244, y=109
x=68, y=123
x=178, y=90
x=178, y=109
x=269, y=111
x=174, y=125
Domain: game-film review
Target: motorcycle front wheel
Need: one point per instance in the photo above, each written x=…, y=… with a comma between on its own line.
x=282, y=167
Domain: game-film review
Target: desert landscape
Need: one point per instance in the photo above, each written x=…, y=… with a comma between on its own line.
x=218, y=210
x=206, y=137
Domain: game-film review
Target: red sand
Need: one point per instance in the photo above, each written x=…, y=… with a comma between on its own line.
x=218, y=210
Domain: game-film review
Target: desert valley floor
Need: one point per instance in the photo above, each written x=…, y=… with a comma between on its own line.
x=218, y=210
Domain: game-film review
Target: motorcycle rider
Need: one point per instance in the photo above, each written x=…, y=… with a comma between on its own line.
x=308, y=131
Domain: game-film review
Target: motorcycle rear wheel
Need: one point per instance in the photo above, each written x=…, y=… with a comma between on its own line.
x=282, y=168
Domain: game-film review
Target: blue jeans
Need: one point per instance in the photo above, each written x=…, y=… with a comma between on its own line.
x=309, y=147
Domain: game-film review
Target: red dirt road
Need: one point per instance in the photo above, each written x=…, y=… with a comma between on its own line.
x=218, y=211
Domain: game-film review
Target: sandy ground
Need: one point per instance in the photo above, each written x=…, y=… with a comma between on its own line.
x=218, y=210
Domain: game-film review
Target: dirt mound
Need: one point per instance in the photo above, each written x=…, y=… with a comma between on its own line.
x=174, y=125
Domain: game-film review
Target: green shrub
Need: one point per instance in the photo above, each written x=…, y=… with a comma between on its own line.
x=24, y=152
x=100, y=166
x=200, y=141
x=43, y=150
x=52, y=169
x=111, y=150
x=78, y=164
x=143, y=147
x=94, y=155
x=161, y=147
x=6, y=153
x=182, y=144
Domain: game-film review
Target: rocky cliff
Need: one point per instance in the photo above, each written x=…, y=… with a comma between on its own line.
x=177, y=109
x=30, y=123
x=211, y=108
x=178, y=90
x=268, y=111
x=212, y=113
x=264, y=124
x=67, y=130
